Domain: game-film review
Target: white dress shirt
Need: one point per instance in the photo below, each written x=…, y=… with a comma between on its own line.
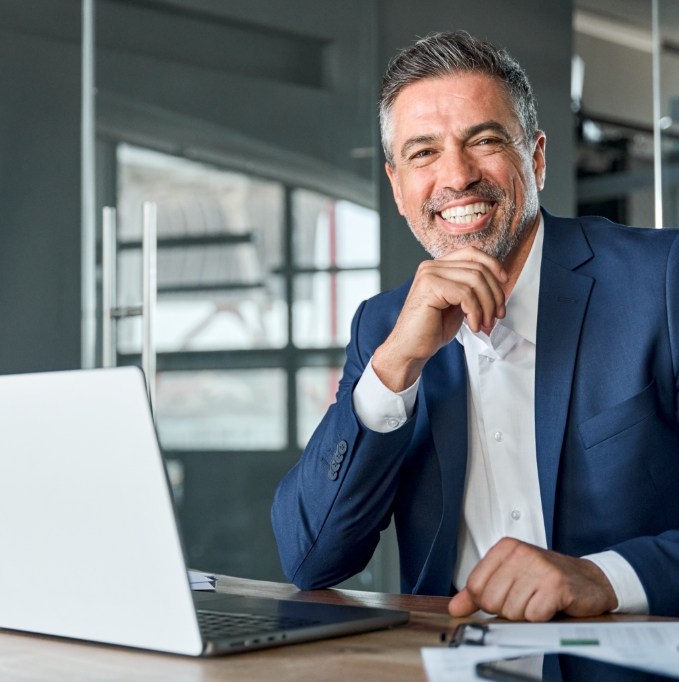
x=502, y=491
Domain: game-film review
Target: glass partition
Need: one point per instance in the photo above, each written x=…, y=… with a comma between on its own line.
x=251, y=126
x=666, y=110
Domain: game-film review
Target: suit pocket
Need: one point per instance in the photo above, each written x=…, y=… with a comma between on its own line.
x=618, y=418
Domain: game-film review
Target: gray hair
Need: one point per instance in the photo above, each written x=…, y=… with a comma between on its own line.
x=441, y=54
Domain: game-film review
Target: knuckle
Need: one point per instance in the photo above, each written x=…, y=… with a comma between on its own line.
x=476, y=277
x=508, y=544
x=474, y=586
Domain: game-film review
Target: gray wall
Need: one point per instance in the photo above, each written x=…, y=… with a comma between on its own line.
x=280, y=89
x=39, y=187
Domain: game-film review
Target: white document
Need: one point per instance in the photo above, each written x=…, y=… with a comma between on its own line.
x=204, y=582
x=443, y=664
x=651, y=646
x=624, y=635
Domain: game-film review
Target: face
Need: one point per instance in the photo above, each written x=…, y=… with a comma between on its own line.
x=462, y=172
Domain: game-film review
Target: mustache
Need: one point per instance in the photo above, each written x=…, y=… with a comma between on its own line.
x=482, y=190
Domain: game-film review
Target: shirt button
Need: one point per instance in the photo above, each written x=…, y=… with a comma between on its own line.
x=516, y=514
x=498, y=436
x=392, y=422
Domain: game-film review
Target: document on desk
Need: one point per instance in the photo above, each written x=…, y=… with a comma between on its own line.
x=652, y=646
x=627, y=635
x=443, y=664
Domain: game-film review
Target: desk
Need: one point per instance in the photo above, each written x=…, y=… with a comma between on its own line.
x=386, y=655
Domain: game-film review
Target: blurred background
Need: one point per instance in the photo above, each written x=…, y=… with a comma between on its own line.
x=252, y=125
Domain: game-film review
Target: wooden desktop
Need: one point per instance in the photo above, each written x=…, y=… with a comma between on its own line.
x=386, y=655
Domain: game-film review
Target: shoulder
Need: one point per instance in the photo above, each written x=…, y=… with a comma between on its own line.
x=392, y=298
x=387, y=304
x=377, y=315
x=614, y=240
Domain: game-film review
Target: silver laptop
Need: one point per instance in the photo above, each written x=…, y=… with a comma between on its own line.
x=90, y=545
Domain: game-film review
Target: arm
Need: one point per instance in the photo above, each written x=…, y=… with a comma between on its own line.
x=327, y=526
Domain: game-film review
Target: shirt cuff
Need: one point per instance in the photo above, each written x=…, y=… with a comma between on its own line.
x=624, y=580
x=379, y=408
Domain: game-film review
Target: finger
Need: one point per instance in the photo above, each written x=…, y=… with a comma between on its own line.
x=471, y=253
x=520, y=594
x=486, y=290
x=495, y=582
x=541, y=607
x=475, y=289
x=491, y=269
x=535, y=584
x=494, y=558
x=473, y=257
x=462, y=605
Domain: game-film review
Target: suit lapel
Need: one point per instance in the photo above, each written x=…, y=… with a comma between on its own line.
x=445, y=379
x=562, y=303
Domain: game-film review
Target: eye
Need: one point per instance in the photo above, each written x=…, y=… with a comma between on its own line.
x=486, y=141
x=423, y=157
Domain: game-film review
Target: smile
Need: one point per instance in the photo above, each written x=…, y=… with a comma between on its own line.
x=460, y=215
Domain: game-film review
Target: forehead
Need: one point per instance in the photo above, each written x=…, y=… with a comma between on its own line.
x=456, y=101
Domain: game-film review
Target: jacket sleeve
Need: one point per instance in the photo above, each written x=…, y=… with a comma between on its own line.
x=328, y=511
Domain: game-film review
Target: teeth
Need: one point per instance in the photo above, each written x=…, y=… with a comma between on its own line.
x=465, y=214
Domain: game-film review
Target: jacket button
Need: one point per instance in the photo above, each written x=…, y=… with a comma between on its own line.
x=332, y=475
x=341, y=447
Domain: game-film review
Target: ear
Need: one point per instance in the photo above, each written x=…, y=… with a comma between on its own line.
x=539, y=160
x=398, y=198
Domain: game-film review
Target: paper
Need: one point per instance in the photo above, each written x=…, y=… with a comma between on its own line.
x=443, y=664
x=204, y=582
x=634, y=635
x=651, y=646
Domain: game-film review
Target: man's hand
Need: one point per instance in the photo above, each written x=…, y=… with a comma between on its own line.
x=465, y=283
x=519, y=581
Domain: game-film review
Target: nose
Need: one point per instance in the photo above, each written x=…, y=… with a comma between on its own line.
x=458, y=170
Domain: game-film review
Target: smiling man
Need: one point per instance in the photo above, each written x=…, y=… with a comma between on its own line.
x=513, y=407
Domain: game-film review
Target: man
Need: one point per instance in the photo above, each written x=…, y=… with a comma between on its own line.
x=514, y=406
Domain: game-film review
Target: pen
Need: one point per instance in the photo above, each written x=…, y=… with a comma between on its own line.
x=467, y=633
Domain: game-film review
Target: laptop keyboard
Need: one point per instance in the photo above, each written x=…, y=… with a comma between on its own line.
x=215, y=625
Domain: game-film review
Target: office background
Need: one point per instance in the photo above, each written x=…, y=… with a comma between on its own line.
x=252, y=125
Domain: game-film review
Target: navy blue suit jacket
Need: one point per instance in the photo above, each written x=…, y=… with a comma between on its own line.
x=607, y=431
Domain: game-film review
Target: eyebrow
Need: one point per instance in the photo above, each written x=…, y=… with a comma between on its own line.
x=486, y=126
x=466, y=134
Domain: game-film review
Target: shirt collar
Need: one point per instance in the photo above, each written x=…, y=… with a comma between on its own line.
x=522, y=305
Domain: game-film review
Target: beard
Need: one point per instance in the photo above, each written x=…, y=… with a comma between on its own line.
x=497, y=239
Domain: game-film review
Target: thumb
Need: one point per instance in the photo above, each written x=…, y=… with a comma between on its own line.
x=462, y=604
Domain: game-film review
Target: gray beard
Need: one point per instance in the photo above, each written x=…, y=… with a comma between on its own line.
x=497, y=240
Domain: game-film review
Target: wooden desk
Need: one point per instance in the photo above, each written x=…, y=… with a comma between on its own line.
x=389, y=655
x=383, y=655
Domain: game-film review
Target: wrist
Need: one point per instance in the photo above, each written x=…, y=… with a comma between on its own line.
x=395, y=372
x=606, y=590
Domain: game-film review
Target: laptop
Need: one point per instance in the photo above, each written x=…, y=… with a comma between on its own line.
x=90, y=544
